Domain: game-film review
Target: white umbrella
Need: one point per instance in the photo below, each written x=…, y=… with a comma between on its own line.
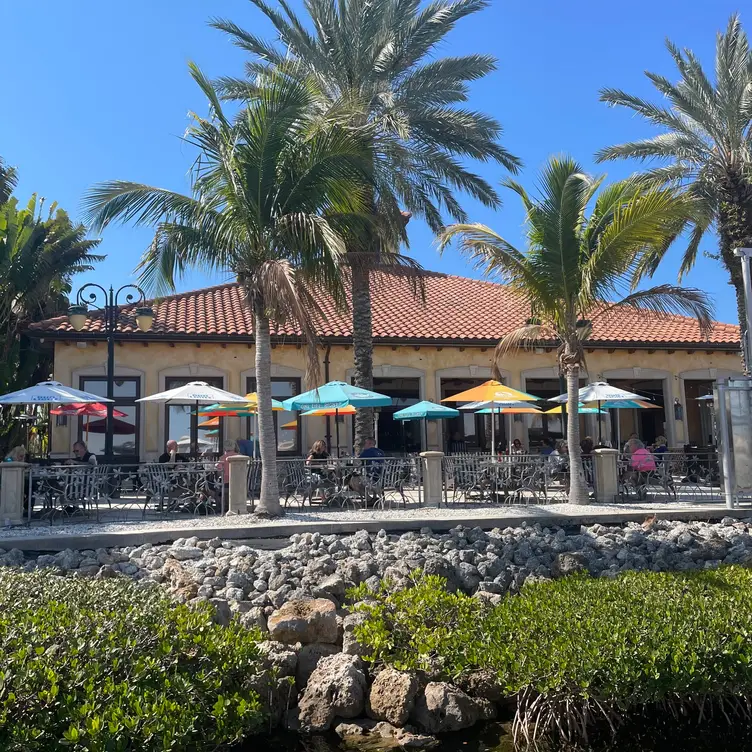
x=50, y=393
x=194, y=393
x=600, y=391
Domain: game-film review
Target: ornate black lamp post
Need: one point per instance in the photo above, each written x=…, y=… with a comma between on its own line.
x=95, y=296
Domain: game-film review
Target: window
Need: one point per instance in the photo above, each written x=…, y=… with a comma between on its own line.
x=125, y=440
x=286, y=424
x=182, y=425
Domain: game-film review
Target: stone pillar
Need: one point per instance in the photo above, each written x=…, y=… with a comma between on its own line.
x=432, y=478
x=606, y=475
x=237, y=501
x=12, y=475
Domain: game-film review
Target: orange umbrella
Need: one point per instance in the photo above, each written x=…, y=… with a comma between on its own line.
x=347, y=410
x=211, y=423
x=491, y=391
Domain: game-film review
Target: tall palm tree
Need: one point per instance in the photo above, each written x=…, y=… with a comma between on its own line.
x=373, y=65
x=575, y=265
x=271, y=190
x=706, y=144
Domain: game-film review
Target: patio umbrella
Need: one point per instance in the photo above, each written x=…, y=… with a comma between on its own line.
x=89, y=409
x=348, y=410
x=335, y=395
x=599, y=392
x=425, y=411
x=626, y=404
x=50, y=393
x=120, y=427
x=194, y=393
x=247, y=410
x=493, y=393
x=582, y=409
x=211, y=423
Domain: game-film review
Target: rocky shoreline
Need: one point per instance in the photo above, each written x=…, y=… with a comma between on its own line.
x=314, y=676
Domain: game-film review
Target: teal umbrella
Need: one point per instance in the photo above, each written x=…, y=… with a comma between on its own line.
x=334, y=396
x=425, y=411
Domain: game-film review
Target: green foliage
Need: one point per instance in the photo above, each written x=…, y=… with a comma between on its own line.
x=442, y=629
x=101, y=665
x=642, y=638
x=40, y=251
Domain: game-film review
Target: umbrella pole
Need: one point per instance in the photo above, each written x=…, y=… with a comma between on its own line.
x=618, y=430
x=493, y=430
x=425, y=434
x=336, y=426
x=509, y=437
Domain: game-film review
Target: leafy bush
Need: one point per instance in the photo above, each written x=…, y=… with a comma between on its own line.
x=579, y=649
x=111, y=665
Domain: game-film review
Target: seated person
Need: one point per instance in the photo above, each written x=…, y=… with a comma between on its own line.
x=548, y=446
x=171, y=453
x=245, y=446
x=17, y=454
x=517, y=447
x=318, y=454
x=374, y=458
x=82, y=455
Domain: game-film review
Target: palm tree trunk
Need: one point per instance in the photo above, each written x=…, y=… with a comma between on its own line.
x=362, y=349
x=735, y=231
x=269, y=498
x=578, y=493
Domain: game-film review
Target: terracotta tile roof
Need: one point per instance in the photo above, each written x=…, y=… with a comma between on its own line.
x=456, y=308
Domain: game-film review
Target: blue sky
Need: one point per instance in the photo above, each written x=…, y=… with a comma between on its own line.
x=97, y=91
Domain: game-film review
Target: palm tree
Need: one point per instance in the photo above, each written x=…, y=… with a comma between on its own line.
x=40, y=251
x=8, y=179
x=576, y=264
x=372, y=66
x=706, y=146
x=270, y=190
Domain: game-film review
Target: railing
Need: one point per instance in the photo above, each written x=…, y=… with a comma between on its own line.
x=671, y=476
x=508, y=479
x=79, y=492
x=349, y=483
x=151, y=490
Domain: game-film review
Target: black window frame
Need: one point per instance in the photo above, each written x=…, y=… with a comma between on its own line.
x=250, y=386
x=171, y=382
x=119, y=402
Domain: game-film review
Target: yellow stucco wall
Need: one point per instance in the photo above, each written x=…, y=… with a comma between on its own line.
x=234, y=362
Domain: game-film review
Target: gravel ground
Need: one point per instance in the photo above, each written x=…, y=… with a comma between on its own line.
x=459, y=512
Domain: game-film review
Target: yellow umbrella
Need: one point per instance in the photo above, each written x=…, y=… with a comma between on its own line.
x=491, y=391
x=291, y=426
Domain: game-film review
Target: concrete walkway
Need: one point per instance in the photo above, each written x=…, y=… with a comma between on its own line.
x=88, y=535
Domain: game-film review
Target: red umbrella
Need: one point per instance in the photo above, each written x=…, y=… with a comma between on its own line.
x=119, y=427
x=90, y=408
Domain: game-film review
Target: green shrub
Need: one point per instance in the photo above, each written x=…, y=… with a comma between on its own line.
x=110, y=665
x=580, y=649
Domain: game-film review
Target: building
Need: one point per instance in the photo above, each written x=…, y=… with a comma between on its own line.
x=423, y=349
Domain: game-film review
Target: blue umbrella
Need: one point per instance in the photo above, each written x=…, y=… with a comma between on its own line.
x=334, y=396
x=425, y=411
